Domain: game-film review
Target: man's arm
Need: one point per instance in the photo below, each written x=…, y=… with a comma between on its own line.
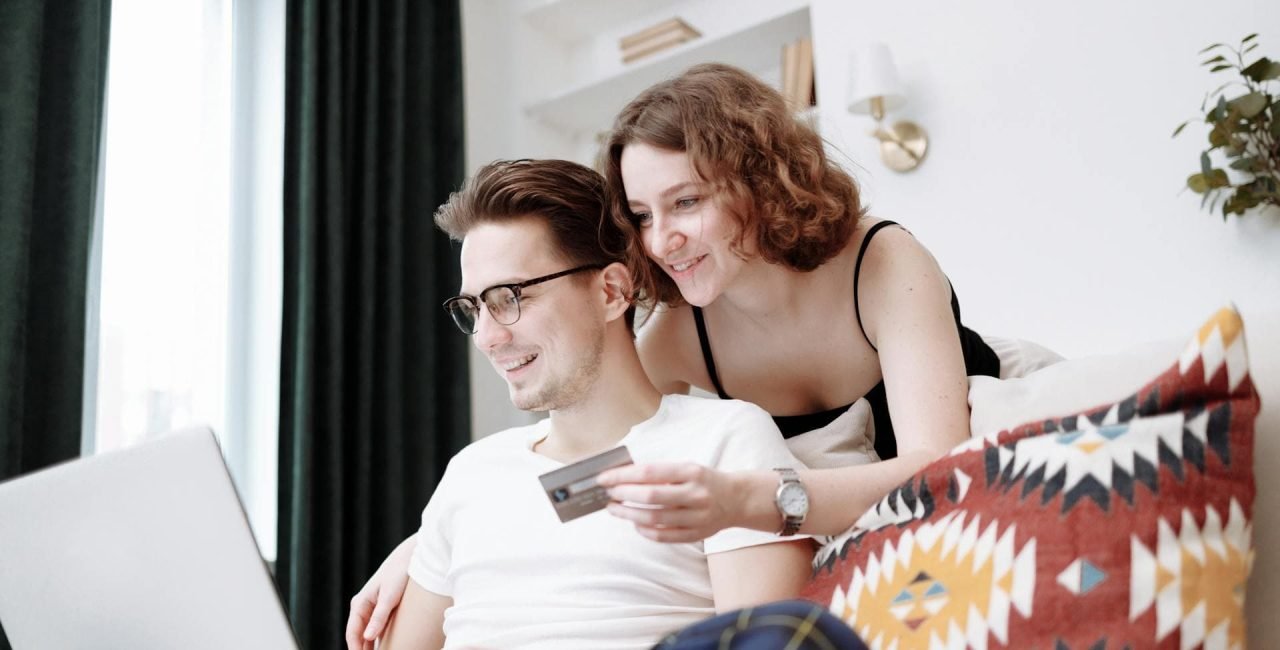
x=759, y=574
x=418, y=624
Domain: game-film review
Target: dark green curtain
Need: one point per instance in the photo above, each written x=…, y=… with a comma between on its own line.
x=53, y=64
x=374, y=391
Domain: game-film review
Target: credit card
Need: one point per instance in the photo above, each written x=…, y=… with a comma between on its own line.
x=573, y=490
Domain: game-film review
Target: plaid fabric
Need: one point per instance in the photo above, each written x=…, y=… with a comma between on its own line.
x=790, y=624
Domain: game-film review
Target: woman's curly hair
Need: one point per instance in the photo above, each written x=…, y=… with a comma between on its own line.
x=768, y=170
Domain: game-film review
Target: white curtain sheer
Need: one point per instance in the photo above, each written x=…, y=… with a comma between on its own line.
x=189, y=293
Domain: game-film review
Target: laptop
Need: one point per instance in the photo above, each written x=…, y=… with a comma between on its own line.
x=146, y=547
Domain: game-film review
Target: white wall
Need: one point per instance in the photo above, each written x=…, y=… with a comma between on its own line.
x=495, y=72
x=1052, y=192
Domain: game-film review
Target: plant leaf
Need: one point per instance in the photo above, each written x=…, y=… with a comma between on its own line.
x=1205, y=165
x=1210, y=48
x=1248, y=38
x=1236, y=147
x=1243, y=201
x=1218, y=68
x=1257, y=188
x=1263, y=69
x=1216, y=59
x=1232, y=206
x=1256, y=68
x=1180, y=128
x=1217, y=138
x=1250, y=48
x=1198, y=183
x=1249, y=105
x=1217, y=178
x=1244, y=163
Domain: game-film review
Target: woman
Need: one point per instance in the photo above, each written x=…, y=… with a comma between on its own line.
x=793, y=299
x=772, y=286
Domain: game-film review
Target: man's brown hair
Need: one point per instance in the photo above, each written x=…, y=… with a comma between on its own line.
x=768, y=169
x=566, y=196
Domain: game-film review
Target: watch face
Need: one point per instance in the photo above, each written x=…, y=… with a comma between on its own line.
x=794, y=501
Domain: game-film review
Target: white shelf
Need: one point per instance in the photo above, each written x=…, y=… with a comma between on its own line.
x=591, y=106
x=576, y=20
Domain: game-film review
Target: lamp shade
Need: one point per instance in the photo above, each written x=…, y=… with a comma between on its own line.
x=874, y=75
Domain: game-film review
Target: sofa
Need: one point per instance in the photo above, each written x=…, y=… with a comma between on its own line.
x=1109, y=501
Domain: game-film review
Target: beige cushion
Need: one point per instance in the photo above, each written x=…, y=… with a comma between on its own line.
x=846, y=440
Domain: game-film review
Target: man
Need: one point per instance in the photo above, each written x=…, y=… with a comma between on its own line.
x=546, y=298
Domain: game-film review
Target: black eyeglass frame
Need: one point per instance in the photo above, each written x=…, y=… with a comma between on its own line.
x=516, y=288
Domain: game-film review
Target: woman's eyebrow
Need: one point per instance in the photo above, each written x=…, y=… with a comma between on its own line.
x=677, y=188
x=667, y=193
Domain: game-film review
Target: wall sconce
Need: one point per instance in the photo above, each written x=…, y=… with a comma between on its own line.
x=874, y=91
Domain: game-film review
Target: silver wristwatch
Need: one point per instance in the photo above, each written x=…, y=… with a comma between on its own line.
x=792, y=500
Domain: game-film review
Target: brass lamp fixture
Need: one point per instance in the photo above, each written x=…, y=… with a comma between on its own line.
x=876, y=90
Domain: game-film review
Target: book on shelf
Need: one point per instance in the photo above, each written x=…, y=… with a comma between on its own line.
x=804, y=78
x=790, y=58
x=659, y=37
x=797, y=74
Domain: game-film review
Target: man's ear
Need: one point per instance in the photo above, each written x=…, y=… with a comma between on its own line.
x=618, y=290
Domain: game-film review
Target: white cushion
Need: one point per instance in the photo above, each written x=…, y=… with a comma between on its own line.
x=1066, y=387
x=1019, y=358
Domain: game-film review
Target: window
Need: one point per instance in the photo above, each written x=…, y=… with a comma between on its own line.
x=189, y=285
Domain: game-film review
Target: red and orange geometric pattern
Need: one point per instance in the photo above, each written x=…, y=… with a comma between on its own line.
x=1127, y=525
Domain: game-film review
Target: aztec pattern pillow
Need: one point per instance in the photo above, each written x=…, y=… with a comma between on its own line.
x=1127, y=525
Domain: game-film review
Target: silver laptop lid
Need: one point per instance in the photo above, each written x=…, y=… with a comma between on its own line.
x=146, y=547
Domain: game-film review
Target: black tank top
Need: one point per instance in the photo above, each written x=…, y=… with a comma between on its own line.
x=979, y=359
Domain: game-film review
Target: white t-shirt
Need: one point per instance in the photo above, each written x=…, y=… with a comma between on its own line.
x=491, y=540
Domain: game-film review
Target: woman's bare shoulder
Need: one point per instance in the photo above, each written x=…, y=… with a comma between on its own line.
x=899, y=276
x=895, y=256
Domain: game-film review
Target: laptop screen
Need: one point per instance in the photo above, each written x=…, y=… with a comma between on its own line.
x=146, y=547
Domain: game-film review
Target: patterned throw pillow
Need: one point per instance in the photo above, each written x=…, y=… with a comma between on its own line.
x=1128, y=525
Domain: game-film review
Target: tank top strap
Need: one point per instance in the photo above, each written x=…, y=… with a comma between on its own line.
x=857, y=270
x=706, y=352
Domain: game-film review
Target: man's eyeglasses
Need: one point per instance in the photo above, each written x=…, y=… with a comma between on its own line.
x=502, y=301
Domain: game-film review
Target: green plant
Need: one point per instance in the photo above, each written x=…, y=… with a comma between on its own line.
x=1245, y=129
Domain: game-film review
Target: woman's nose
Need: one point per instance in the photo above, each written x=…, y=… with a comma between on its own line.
x=667, y=237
